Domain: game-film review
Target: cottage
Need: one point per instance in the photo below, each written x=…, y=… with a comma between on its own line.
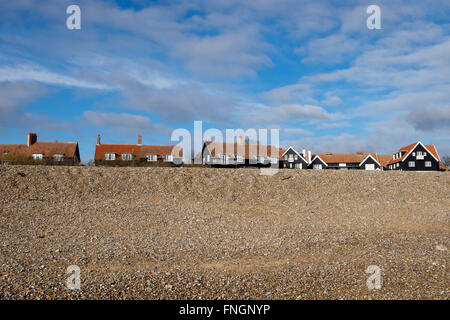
x=240, y=154
x=415, y=157
x=345, y=161
x=40, y=152
x=294, y=160
x=137, y=154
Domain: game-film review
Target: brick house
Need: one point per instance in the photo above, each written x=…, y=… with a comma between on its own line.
x=40, y=152
x=240, y=154
x=137, y=154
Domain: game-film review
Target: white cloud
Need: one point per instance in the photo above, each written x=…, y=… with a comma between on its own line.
x=39, y=74
x=123, y=121
x=13, y=99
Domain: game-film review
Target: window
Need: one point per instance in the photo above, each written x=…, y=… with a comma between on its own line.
x=239, y=158
x=285, y=157
x=127, y=156
x=428, y=164
x=317, y=167
x=152, y=157
x=291, y=158
x=110, y=156
x=37, y=156
x=411, y=164
x=296, y=157
x=260, y=159
x=5, y=152
x=342, y=164
x=273, y=160
x=419, y=155
x=168, y=157
x=398, y=164
x=58, y=157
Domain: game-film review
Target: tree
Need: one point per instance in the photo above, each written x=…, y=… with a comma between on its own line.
x=446, y=161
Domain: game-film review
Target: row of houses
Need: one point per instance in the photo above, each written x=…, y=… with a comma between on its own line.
x=416, y=156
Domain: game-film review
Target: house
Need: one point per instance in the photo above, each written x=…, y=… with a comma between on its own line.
x=40, y=152
x=294, y=160
x=415, y=157
x=240, y=154
x=137, y=154
x=384, y=160
x=345, y=161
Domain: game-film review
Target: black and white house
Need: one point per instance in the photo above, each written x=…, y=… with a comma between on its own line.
x=415, y=157
x=294, y=160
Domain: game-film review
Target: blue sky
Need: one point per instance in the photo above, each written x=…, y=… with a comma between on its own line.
x=312, y=69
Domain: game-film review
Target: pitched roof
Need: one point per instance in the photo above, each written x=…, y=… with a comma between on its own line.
x=161, y=150
x=48, y=149
x=358, y=157
x=384, y=159
x=136, y=149
x=249, y=151
x=407, y=150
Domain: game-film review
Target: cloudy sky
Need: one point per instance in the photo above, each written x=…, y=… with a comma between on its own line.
x=311, y=68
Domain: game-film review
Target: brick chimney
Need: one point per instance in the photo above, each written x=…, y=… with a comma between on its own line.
x=98, y=139
x=140, y=140
x=304, y=153
x=31, y=138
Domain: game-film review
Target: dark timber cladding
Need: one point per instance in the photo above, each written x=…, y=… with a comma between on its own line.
x=294, y=160
x=415, y=157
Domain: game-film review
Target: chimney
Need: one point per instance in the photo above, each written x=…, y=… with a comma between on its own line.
x=98, y=139
x=140, y=140
x=304, y=153
x=31, y=138
x=240, y=140
x=309, y=156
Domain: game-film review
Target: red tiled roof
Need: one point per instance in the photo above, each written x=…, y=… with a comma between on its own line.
x=384, y=159
x=406, y=149
x=176, y=151
x=48, y=149
x=358, y=157
x=250, y=151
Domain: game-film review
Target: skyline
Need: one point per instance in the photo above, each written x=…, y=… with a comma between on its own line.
x=146, y=68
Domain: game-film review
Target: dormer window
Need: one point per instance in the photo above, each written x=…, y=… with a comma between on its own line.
x=6, y=152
